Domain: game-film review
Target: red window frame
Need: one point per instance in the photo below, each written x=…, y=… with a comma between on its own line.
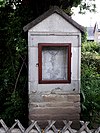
x=40, y=46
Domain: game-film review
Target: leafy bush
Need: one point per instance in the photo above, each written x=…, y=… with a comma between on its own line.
x=13, y=68
x=90, y=47
x=90, y=82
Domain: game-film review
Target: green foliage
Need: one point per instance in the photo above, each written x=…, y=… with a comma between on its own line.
x=87, y=6
x=13, y=69
x=13, y=109
x=13, y=56
x=84, y=36
x=40, y=6
x=90, y=82
x=90, y=47
x=2, y=3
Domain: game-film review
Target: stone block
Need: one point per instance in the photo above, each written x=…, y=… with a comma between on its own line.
x=54, y=110
x=74, y=98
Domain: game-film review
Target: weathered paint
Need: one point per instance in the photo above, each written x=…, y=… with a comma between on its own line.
x=54, y=23
x=35, y=39
x=54, y=101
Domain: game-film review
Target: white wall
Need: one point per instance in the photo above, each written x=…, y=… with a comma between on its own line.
x=33, y=60
x=54, y=29
x=54, y=101
x=54, y=23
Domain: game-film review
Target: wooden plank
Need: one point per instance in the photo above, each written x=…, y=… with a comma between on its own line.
x=54, y=110
x=55, y=117
x=53, y=104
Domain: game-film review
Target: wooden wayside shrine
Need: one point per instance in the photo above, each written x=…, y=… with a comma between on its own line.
x=54, y=58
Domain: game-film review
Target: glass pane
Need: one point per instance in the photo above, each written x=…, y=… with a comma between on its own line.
x=54, y=63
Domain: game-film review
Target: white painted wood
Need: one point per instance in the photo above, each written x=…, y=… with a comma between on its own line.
x=54, y=39
x=53, y=29
x=51, y=127
x=42, y=33
x=59, y=88
x=54, y=23
x=33, y=63
x=2, y=130
x=73, y=87
x=32, y=86
x=75, y=64
x=79, y=63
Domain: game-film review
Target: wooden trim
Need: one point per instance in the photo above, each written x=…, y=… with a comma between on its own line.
x=40, y=46
x=69, y=63
x=40, y=63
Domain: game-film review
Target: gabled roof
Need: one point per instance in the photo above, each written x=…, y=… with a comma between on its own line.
x=97, y=26
x=57, y=10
